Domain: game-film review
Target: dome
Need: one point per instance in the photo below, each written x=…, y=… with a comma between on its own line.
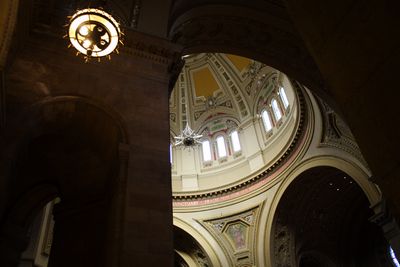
x=245, y=115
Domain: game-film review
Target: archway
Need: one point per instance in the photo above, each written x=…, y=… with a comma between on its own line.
x=322, y=219
x=260, y=30
x=72, y=152
x=188, y=252
x=277, y=33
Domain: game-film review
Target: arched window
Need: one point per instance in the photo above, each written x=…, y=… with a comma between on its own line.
x=394, y=258
x=283, y=96
x=170, y=153
x=221, y=146
x=276, y=109
x=266, y=120
x=235, y=141
x=206, y=150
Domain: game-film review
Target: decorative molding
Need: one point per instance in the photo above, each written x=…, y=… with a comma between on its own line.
x=135, y=12
x=337, y=134
x=255, y=78
x=226, y=76
x=153, y=48
x=201, y=257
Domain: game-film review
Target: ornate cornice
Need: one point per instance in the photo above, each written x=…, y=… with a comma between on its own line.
x=150, y=47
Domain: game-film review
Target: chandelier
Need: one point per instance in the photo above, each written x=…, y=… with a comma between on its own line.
x=94, y=33
x=188, y=138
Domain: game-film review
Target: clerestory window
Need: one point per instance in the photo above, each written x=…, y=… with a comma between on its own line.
x=221, y=147
x=276, y=109
x=235, y=141
x=266, y=120
x=283, y=96
x=205, y=145
x=170, y=153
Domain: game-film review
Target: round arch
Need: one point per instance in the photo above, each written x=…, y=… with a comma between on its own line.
x=14, y=230
x=368, y=189
x=259, y=30
x=204, y=243
x=70, y=148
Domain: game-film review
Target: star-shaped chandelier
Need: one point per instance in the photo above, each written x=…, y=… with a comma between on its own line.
x=188, y=138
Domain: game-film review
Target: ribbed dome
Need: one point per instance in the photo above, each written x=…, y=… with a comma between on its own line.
x=246, y=113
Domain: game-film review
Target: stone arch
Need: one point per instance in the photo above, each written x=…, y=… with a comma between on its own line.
x=14, y=229
x=188, y=247
x=202, y=242
x=260, y=30
x=75, y=146
x=322, y=218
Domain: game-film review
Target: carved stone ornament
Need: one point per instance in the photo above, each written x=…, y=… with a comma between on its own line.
x=337, y=134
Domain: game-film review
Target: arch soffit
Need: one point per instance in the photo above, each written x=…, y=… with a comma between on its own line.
x=268, y=37
x=215, y=260
x=8, y=18
x=101, y=107
x=209, y=116
x=33, y=119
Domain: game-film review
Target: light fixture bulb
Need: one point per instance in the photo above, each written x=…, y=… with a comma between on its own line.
x=87, y=43
x=83, y=30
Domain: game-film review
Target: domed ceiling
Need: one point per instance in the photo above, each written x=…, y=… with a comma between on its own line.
x=212, y=85
x=217, y=95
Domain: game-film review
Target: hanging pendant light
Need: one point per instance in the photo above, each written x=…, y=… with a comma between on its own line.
x=188, y=138
x=94, y=33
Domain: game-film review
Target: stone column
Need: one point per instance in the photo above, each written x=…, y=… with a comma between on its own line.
x=147, y=216
x=390, y=227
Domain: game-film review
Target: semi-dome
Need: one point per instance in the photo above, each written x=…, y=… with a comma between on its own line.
x=246, y=113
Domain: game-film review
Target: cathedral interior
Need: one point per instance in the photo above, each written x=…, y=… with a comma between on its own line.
x=199, y=133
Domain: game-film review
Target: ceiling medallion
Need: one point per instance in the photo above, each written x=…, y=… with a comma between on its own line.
x=94, y=33
x=188, y=138
x=211, y=102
